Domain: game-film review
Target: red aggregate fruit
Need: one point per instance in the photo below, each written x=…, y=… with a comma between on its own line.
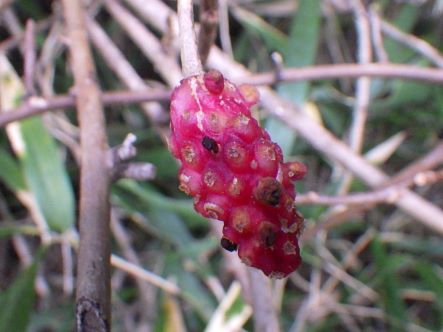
x=235, y=173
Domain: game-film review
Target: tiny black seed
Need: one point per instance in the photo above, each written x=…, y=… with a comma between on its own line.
x=228, y=244
x=210, y=144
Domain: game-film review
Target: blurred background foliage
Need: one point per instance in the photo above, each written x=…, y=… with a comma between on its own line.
x=394, y=280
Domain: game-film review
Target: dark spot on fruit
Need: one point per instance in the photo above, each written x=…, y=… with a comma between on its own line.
x=210, y=144
x=268, y=233
x=228, y=244
x=268, y=191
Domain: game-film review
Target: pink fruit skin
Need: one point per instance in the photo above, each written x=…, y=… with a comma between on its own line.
x=235, y=173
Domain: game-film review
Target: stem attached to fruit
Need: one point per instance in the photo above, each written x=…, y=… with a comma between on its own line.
x=189, y=51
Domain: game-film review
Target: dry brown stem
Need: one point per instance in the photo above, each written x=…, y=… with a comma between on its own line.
x=93, y=266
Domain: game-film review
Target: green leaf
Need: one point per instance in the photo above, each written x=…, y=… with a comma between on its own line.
x=55, y=318
x=170, y=227
x=405, y=21
x=193, y=292
x=41, y=164
x=17, y=301
x=302, y=46
x=154, y=200
x=300, y=51
x=163, y=161
x=10, y=172
x=273, y=38
x=389, y=287
x=46, y=175
x=434, y=282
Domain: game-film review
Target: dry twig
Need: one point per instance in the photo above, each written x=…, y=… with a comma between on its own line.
x=146, y=41
x=140, y=93
x=38, y=105
x=405, y=177
x=29, y=58
x=117, y=62
x=360, y=112
x=336, y=71
x=413, y=42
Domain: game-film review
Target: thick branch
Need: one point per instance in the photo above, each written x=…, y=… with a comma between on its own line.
x=93, y=266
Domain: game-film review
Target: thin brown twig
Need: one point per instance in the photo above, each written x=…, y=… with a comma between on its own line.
x=117, y=62
x=429, y=161
x=93, y=265
x=413, y=42
x=321, y=139
x=29, y=58
x=208, y=27
x=362, y=242
x=12, y=23
x=17, y=39
x=363, y=85
x=145, y=275
x=157, y=14
x=336, y=71
x=377, y=39
x=148, y=292
x=121, y=167
x=38, y=105
x=163, y=63
x=142, y=94
x=386, y=195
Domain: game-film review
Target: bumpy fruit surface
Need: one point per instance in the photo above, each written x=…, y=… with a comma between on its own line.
x=235, y=173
